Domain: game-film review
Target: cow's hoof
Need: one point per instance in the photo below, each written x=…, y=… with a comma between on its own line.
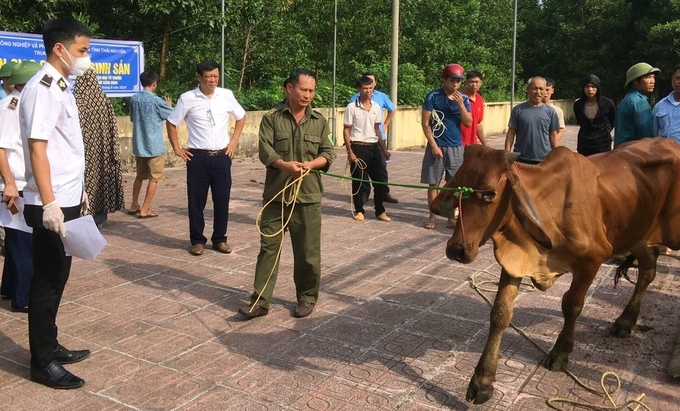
x=556, y=362
x=620, y=331
x=477, y=392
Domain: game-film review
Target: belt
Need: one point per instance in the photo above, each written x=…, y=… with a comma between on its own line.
x=209, y=153
x=361, y=143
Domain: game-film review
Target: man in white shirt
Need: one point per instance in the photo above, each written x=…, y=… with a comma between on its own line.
x=365, y=148
x=18, y=268
x=55, y=172
x=209, y=152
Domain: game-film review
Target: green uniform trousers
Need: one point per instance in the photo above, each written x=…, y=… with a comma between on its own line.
x=305, y=234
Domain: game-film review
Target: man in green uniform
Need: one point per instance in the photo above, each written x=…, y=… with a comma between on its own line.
x=293, y=138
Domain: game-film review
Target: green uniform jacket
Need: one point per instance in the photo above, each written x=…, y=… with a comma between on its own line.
x=282, y=138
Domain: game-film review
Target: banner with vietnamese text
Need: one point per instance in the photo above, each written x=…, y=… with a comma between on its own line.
x=117, y=63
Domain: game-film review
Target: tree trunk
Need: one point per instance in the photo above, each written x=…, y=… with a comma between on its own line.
x=245, y=58
x=164, y=47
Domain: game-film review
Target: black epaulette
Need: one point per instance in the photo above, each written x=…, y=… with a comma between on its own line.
x=62, y=84
x=13, y=103
x=46, y=80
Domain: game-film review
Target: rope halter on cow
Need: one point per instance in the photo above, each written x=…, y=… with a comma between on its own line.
x=462, y=193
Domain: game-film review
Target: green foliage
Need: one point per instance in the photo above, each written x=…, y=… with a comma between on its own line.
x=264, y=40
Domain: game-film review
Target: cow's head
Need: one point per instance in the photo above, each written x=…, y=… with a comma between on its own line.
x=489, y=191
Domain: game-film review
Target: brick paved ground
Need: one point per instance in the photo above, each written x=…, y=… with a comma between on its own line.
x=397, y=326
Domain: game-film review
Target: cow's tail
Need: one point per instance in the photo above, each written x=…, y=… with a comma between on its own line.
x=622, y=269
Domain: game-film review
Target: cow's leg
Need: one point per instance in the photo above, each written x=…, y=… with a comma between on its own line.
x=572, y=304
x=647, y=271
x=481, y=384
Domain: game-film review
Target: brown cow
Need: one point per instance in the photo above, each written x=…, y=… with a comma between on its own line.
x=568, y=214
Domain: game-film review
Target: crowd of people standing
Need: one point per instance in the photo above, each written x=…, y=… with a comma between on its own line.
x=60, y=159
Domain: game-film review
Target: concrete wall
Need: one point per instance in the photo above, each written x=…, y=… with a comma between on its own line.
x=406, y=131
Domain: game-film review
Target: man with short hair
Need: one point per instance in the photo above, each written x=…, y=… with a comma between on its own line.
x=634, y=114
x=385, y=103
x=293, y=138
x=55, y=170
x=474, y=133
x=666, y=112
x=366, y=150
x=444, y=111
x=547, y=99
x=533, y=126
x=147, y=113
x=209, y=152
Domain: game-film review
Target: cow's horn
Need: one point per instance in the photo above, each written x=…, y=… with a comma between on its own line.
x=511, y=156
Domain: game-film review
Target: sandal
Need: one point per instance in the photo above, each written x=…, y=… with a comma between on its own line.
x=429, y=225
x=150, y=214
x=133, y=212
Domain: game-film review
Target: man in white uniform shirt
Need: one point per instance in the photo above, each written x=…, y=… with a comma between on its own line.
x=209, y=152
x=55, y=168
x=18, y=268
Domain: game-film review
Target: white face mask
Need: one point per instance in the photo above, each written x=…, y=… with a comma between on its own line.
x=79, y=65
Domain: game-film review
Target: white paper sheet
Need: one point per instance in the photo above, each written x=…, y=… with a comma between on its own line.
x=83, y=239
x=15, y=221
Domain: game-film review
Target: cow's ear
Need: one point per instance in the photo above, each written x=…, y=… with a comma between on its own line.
x=527, y=214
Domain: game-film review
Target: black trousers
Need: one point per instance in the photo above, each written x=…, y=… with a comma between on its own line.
x=51, y=269
x=375, y=170
x=203, y=173
x=366, y=188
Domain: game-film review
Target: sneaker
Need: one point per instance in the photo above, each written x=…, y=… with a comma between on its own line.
x=251, y=312
x=384, y=217
x=304, y=309
x=196, y=249
x=359, y=216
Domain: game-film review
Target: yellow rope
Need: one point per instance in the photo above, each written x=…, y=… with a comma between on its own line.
x=289, y=194
x=344, y=183
x=478, y=287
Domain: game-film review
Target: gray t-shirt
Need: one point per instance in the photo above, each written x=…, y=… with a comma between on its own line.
x=533, y=125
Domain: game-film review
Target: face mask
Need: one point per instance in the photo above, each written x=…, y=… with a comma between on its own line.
x=79, y=65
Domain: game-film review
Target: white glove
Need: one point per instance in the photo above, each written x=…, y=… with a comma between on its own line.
x=85, y=207
x=53, y=218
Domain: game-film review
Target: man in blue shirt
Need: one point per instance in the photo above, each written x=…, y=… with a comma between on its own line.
x=383, y=100
x=444, y=110
x=666, y=112
x=148, y=113
x=634, y=115
x=533, y=125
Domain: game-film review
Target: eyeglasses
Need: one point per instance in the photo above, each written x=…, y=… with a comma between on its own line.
x=211, y=119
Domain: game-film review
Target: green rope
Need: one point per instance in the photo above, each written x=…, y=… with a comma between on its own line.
x=465, y=191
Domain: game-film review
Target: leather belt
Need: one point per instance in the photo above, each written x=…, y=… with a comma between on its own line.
x=361, y=143
x=209, y=153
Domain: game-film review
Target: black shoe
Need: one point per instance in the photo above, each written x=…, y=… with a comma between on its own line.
x=65, y=356
x=19, y=309
x=304, y=309
x=252, y=312
x=390, y=199
x=56, y=376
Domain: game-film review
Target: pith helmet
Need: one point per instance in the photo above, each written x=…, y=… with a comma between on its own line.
x=6, y=69
x=453, y=70
x=639, y=70
x=23, y=72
